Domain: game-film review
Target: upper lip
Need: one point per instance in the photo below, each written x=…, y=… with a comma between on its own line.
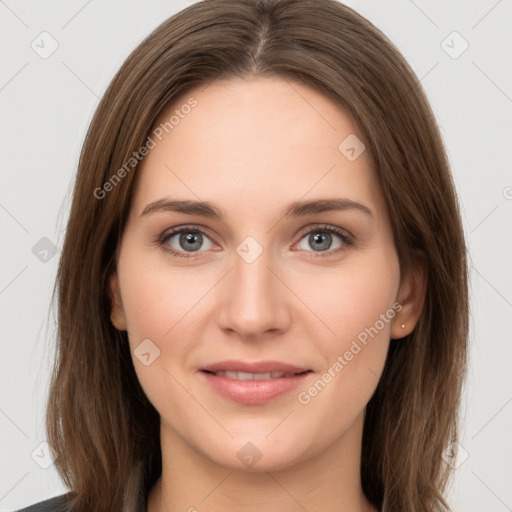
x=253, y=367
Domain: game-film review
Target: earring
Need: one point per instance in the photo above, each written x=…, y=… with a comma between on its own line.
x=403, y=326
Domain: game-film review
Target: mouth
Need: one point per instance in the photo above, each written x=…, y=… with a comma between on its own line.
x=253, y=383
x=254, y=376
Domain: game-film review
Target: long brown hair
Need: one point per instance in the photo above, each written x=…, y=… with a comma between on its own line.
x=99, y=422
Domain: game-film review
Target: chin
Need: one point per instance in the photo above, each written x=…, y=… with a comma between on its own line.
x=257, y=457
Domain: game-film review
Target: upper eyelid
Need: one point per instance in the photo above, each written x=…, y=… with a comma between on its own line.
x=190, y=227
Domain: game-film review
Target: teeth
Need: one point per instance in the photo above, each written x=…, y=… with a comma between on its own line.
x=252, y=376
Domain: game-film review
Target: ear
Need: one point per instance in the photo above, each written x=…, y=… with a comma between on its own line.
x=117, y=316
x=411, y=295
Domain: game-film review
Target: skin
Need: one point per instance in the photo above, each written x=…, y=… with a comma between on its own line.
x=251, y=146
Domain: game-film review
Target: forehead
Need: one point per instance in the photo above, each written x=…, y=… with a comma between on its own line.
x=259, y=142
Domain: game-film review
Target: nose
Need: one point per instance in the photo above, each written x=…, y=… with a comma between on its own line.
x=255, y=302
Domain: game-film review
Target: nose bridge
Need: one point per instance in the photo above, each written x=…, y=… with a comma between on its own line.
x=254, y=302
x=253, y=275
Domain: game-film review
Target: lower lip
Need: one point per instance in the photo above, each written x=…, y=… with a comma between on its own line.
x=254, y=391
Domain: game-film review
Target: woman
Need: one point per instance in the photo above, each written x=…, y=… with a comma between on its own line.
x=308, y=350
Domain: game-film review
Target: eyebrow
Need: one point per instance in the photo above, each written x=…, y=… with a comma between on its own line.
x=294, y=209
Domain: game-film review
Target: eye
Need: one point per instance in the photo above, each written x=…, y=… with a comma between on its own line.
x=185, y=241
x=188, y=241
x=321, y=239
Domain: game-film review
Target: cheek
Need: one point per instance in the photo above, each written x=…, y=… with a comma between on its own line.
x=164, y=305
x=156, y=297
x=349, y=300
x=159, y=309
x=355, y=306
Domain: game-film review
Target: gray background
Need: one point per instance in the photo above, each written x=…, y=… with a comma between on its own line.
x=47, y=105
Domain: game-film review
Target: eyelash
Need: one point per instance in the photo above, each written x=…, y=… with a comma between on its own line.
x=346, y=239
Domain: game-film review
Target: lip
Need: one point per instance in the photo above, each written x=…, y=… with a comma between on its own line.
x=253, y=392
x=253, y=367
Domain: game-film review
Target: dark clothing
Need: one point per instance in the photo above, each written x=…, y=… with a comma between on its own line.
x=55, y=504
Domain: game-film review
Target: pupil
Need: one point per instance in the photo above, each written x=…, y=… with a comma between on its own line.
x=189, y=238
x=321, y=238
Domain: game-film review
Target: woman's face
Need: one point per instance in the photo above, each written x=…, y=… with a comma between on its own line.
x=257, y=285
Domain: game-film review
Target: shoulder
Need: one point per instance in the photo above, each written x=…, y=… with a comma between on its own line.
x=55, y=504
